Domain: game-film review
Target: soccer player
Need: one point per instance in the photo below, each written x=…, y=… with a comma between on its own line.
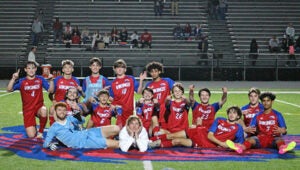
x=270, y=126
x=251, y=109
x=31, y=88
x=71, y=99
x=221, y=130
x=204, y=113
x=102, y=113
x=147, y=109
x=62, y=84
x=176, y=117
x=161, y=88
x=133, y=135
x=92, y=84
x=122, y=91
x=65, y=129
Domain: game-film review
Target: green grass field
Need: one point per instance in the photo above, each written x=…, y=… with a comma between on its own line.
x=288, y=104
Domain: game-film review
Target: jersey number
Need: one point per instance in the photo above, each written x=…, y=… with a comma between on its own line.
x=32, y=93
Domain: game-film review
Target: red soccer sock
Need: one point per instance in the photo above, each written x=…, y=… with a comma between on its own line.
x=247, y=145
x=280, y=144
x=166, y=144
x=51, y=120
x=43, y=122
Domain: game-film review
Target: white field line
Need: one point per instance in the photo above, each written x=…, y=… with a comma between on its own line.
x=284, y=102
x=147, y=165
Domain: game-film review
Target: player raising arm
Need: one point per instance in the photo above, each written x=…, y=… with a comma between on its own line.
x=31, y=88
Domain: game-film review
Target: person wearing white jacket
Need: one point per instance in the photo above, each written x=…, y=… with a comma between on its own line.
x=133, y=135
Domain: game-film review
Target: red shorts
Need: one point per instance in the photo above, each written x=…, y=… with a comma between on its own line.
x=265, y=141
x=30, y=115
x=199, y=137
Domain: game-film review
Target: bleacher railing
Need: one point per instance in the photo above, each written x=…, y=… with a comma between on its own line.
x=208, y=62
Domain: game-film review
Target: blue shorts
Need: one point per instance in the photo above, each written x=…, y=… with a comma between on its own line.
x=95, y=139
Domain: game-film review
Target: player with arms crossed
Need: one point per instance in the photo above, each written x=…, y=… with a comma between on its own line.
x=31, y=88
x=269, y=128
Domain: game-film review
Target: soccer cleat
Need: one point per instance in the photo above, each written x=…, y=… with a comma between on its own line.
x=154, y=144
x=39, y=135
x=234, y=146
x=285, y=148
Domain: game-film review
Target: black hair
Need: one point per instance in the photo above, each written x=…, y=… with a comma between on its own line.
x=267, y=94
x=204, y=89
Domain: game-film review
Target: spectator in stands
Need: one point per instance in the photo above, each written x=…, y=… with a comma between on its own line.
x=213, y=9
x=76, y=30
x=174, y=7
x=284, y=45
x=222, y=8
x=146, y=39
x=57, y=30
x=274, y=44
x=253, y=53
x=31, y=55
x=203, y=48
x=291, y=55
x=177, y=32
x=37, y=31
x=124, y=35
x=85, y=35
x=68, y=40
x=76, y=39
x=158, y=7
x=297, y=46
x=96, y=39
x=197, y=32
x=135, y=39
x=290, y=32
x=106, y=40
x=67, y=29
x=114, y=35
x=41, y=16
x=187, y=31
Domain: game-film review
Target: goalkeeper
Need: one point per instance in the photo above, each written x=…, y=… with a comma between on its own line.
x=64, y=130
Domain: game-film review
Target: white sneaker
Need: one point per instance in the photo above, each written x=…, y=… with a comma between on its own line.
x=39, y=135
x=154, y=144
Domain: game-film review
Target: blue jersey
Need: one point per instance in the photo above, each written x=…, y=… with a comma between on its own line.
x=91, y=88
x=69, y=135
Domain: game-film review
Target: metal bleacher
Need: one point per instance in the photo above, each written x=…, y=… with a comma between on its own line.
x=16, y=17
x=261, y=20
x=103, y=15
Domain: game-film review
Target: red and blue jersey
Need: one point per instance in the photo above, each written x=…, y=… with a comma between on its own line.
x=122, y=92
x=223, y=130
x=252, y=111
x=161, y=90
x=147, y=112
x=61, y=85
x=205, y=112
x=265, y=123
x=177, y=116
x=101, y=116
x=31, y=92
